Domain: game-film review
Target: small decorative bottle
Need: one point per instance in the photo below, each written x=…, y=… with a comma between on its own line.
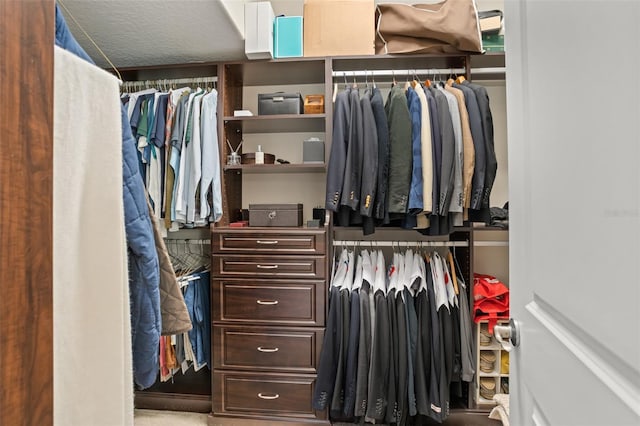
x=259, y=155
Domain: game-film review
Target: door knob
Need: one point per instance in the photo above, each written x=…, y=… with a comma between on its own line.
x=508, y=335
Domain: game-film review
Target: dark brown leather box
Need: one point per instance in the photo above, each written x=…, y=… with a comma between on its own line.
x=275, y=214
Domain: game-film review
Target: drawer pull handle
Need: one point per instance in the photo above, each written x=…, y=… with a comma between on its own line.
x=263, y=396
x=267, y=266
x=268, y=350
x=267, y=302
x=267, y=241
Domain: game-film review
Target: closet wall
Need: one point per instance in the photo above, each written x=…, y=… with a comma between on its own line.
x=491, y=253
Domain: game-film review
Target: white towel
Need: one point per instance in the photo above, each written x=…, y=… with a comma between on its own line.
x=501, y=411
x=92, y=376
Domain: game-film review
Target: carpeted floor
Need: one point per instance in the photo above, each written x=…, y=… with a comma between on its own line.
x=168, y=418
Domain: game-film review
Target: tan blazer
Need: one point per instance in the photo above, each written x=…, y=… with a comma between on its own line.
x=469, y=153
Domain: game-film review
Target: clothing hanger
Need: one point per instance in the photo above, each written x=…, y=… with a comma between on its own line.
x=357, y=281
x=454, y=277
x=460, y=79
x=422, y=270
x=355, y=83
x=461, y=278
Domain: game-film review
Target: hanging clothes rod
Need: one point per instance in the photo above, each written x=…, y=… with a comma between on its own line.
x=398, y=73
x=372, y=243
x=421, y=72
x=169, y=82
x=491, y=243
x=188, y=241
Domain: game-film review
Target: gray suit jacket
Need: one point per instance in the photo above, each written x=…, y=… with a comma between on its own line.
x=448, y=152
x=353, y=167
x=369, y=157
x=338, y=156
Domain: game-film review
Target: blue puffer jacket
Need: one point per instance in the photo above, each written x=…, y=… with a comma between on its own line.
x=144, y=274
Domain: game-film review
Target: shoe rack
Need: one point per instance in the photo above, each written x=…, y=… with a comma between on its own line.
x=492, y=367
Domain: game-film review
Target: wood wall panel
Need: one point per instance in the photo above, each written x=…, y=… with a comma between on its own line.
x=26, y=164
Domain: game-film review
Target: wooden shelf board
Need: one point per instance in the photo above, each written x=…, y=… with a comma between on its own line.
x=276, y=117
x=286, y=123
x=278, y=168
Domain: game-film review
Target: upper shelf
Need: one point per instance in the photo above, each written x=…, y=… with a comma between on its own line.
x=383, y=62
x=300, y=123
x=277, y=71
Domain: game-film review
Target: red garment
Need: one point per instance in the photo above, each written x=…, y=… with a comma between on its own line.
x=490, y=300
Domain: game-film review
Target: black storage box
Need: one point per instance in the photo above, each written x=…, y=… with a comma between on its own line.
x=280, y=103
x=275, y=214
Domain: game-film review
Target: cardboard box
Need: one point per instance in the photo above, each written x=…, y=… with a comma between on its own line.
x=288, y=37
x=258, y=24
x=275, y=214
x=339, y=27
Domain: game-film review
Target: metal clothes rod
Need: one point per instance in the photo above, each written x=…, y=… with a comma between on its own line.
x=188, y=241
x=365, y=243
x=398, y=73
x=168, y=82
x=420, y=72
x=491, y=243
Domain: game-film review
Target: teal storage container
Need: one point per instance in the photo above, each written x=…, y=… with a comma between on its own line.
x=287, y=37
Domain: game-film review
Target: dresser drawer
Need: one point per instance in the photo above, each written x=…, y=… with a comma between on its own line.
x=268, y=266
x=260, y=301
x=268, y=394
x=259, y=348
x=269, y=241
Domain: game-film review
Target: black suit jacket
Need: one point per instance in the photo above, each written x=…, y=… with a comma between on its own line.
x=380, y=209
x=487, y=129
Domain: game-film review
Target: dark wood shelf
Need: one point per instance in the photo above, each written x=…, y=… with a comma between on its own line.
x=275, y=117
x=277, y=71
x=278, y=168
x=284, y=123
x=489, y=228
x=380, y=62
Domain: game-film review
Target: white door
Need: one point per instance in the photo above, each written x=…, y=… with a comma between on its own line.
x=573, y=108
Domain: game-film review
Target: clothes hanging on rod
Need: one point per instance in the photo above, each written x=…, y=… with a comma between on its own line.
x=177, y=140
x=399, y=338
x=180, y=352
x=436, y=162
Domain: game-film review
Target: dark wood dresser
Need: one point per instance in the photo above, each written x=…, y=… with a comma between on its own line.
x=268, y=311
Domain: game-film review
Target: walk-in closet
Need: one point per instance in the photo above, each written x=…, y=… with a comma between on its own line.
x=299, y=212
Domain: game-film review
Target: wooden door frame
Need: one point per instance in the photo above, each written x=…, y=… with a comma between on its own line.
x=27, y=30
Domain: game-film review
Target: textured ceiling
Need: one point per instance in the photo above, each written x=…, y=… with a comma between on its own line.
x=135, y=33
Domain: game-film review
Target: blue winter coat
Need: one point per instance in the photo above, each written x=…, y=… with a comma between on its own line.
x=144, y=273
